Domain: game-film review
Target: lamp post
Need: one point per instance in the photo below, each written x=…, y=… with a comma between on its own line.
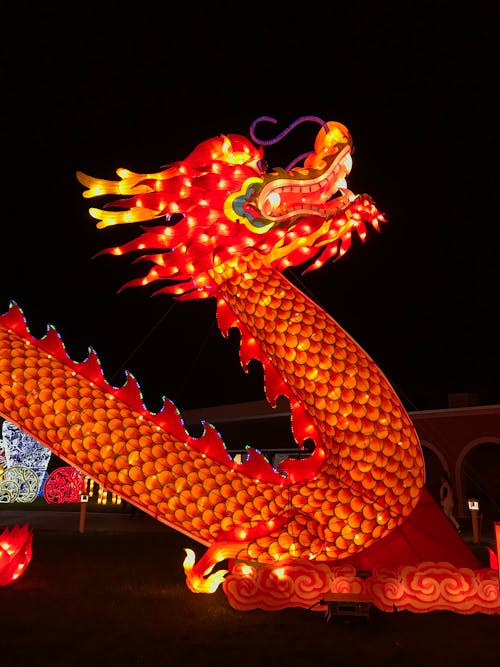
x=474, y=511
x=84, y=499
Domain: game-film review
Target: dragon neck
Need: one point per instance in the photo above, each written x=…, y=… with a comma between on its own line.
x=338, y=396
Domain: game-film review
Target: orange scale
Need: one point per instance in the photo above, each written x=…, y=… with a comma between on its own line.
x=146, y=500
x=268, y=494
x=48, y=420
x=357, y=454
x=374, y=401
x=215, y=497
x=297, y=500
x=203, y=474
x=197, y=491
x=226, y=523
x=349, y=465
x=250, y=510
x=156, y=497
x=367, y=526
x=123, y=477
x=348, y=532
x=304, y=539
x=108, y=465
x=381, y=431
x=391, y=498
x=136, y=474
x=66, y=445
x=259, y=503
x=367, y=427
x=392, y=467
x=396, y=424
x=126, y=491
x=208, y=518
x=203, y=503
x=145, y=441
x=367, y=481
x=134, y=459
x=239, y=517
x=38, y=423
x=405, y=498
x=132, y=444
x=180, y=515
x=192, y=510
x=85, y=402
x=209, y=484
x=285, y=541
x=237, y=484
x=173, y=501
x=113, y=477
x=267, y=514
x=344, y=495
x=131, y=432
x=282, y=501
x=355, y=520
x=139, y=487
x=72, y=403
x=103, y=440
x=199, y=526
x=341, y=544
x=164, y=510
x=173, y=459
x=148, y=468
x=372, y=413
x=242, y=496
x=87, y=428
x=186, y=497
x=342, y=511
x=357, y=504
x=45, y=395
x=227, y=491
x=97, y=467
x=119, y=448
x=392, y=523
x=253, y=551
x=196, y=460
x=335, y=525
x=100, y=414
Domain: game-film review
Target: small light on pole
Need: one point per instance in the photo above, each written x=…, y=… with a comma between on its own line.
x=474, y=511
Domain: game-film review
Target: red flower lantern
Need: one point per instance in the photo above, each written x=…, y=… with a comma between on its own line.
x=15, y=553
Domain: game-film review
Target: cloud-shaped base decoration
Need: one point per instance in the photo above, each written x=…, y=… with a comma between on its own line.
x=418, y=588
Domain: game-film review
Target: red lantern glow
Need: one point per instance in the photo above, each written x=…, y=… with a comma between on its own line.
x=15, y=553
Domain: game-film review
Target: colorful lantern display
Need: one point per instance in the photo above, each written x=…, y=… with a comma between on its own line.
x=227, y=228
x=18, y=484
x=64, y=485
x=22, y=450
x=15, y=553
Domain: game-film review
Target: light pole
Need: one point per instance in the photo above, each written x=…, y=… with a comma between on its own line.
x=474, y=511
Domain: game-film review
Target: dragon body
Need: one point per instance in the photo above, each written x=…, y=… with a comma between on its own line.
x=231, y=229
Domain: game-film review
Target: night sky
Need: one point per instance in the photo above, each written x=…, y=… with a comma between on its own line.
x=94, y=87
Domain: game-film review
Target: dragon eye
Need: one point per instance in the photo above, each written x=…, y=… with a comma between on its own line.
x=271, y=203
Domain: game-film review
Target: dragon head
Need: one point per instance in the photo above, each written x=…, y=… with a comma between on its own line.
x=220, y=202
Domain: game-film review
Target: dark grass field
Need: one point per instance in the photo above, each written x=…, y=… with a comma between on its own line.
x=120, y=599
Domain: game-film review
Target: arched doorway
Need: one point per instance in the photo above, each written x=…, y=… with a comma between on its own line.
x=480, y=477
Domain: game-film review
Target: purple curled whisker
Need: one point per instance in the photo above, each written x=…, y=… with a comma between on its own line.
x=298, y=159
x=281, y=135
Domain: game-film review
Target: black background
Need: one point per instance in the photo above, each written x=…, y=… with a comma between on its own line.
x=97, y=86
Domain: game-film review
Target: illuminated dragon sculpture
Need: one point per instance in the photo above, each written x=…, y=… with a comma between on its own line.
x=222, y=226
